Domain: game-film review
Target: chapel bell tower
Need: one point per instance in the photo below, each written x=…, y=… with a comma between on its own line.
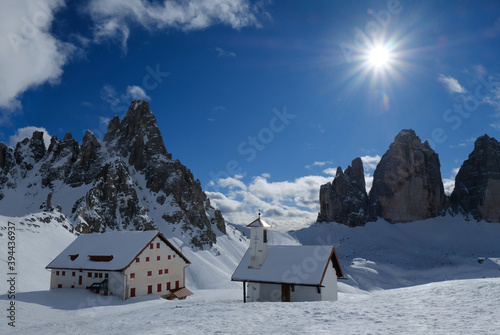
x=258, y=243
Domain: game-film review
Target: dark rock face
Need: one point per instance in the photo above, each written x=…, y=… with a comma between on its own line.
x=477, y=184
x=345, y=200
x=126, y=180
x=407, y=183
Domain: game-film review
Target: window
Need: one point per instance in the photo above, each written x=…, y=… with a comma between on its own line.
x=150, y=289
x=89, y=274
x=137, y=260
x=174, y=256
x=177, y=284
x=265, y=235
x=151, y=246
x=64, y=273
x=168, y=286
x=106, y=275
x=132, y=292
x=73, y=273
x=158, y=245
x=160, y=272
x=132, y=275
x=157, y=258
x=59, y=285
x=169, y=257
x=150, y=273
x=100, y=275
x=72, y=286
x=57, y=273
x=147, y=259
x=166, y=271
x=96, y=275
x=158, y=288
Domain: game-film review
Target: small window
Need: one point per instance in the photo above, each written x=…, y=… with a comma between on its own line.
x=73, y=273
x=265, y=235
x=168, y=286
x=169, y=257
x=59, y=285
x=158, y=288
x=147, y=259
x=57, y=273
x=64, y=273
x=160, y=272
x=137, y=260
x=89, y=274
x=174, y=256
x=158, y=245
x=150, y=273
x=151, y=246
x=157, y=258
x=72, y=286
x=106, y=275
x=166, y=271
x=100, y=275
x=132, y=275
x=96, y=275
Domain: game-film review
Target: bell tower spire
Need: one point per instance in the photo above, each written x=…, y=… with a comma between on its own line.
x=258, y=243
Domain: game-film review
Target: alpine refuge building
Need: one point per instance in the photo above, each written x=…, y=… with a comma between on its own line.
x=125, y=264
x=286, y=273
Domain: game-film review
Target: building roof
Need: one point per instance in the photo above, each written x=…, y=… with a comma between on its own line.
x=259, y=223
x=107, y=251
x=298, y=265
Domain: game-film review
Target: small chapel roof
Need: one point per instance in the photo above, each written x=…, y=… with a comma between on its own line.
x=259, y=223
x=299, y=265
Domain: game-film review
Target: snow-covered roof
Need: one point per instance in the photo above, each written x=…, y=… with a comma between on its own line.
x=109, y=251
x=299, y=265
x=259, y=223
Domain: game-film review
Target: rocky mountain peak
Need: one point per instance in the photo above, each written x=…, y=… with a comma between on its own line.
x=345, y=200
x=407, y=183
x=477, y=184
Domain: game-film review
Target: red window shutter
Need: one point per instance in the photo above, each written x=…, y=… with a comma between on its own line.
x=57, y=273
x=150, y=273
x=100, y=275
x=73, y=273
x=157, y=258
x=169, y=257
x=96, y=275
x=177, y=284
x=166, y=271
x=157, y=245
x=132, y=275
x=132, y=292
x=147, y=259
x=168, y=286
x=158, y=288
x=89, y=274
x=150, y=289
x=151, y=246
x=137, y=260
x=106, y=275
x=160, y=272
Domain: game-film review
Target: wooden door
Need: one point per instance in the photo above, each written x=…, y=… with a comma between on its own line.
x=285, y=293
x=80, y=280
x=132, y=292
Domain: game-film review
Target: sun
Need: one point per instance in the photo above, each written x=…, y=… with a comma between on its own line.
x=379, y=56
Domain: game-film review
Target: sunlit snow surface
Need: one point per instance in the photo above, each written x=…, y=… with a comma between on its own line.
x=401, y=279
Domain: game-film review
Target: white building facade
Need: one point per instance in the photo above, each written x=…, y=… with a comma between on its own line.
x=286, y=273
x=125, y=264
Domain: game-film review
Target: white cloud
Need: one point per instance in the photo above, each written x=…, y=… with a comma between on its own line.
x=27, y=132
x=330, y=171
x=449, y=183
x=451, y=84
x=223, y=53
x=286, y=204
x=29, y=55
x=370, y=162
x=112, y=17
x=136, y=92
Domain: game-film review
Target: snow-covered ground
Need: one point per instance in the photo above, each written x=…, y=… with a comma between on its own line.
x=400, y=279
x=452, y=307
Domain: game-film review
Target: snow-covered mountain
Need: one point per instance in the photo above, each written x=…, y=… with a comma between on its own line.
x=128, y=181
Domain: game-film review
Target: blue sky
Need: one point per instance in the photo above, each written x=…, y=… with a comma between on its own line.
x=262, y=100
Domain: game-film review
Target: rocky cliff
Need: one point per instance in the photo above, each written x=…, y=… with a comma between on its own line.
x=127, y=181
x=407, y=183
x=477, y=184
x=345, y=199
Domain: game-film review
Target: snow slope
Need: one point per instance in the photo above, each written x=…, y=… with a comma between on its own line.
x=452, y=307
